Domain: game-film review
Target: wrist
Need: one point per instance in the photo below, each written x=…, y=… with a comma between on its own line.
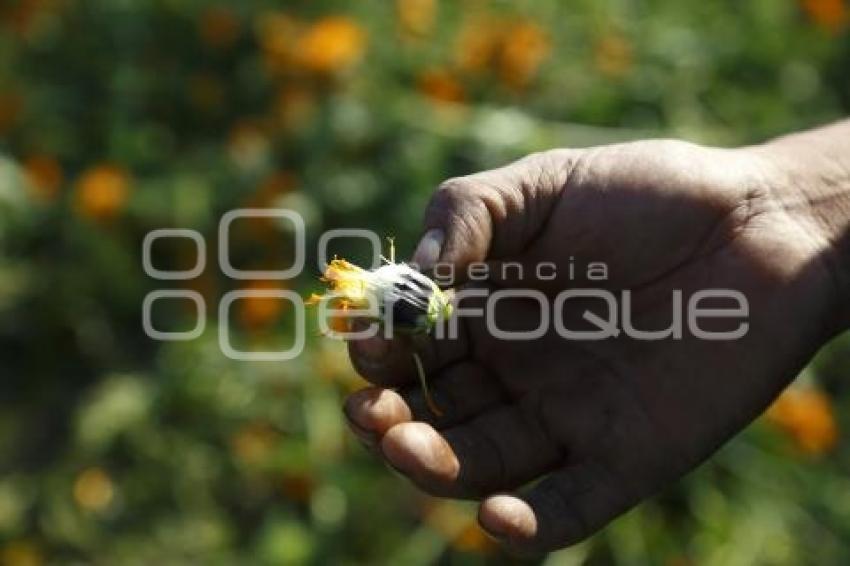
x=809, y=179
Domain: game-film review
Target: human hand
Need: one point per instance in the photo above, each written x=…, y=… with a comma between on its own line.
x=608, y=422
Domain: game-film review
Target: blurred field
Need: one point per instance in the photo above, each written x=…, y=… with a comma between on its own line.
x=121, y=117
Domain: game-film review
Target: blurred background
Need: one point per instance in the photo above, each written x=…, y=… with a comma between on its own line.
x=120, y=117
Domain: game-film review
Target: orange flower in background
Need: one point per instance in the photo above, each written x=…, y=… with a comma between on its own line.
x=25, y=17
x=457, y=524
x=512, y=50
x=270, y=188
x=525, y=47
x=416, y=17
x=477, y=44
x=473, y=539
x=11, y=106
x=21, y=553
x=44, y=175
x=219, y=27
x=93, y=490
x=102, y=192
x=254, y=442
x=294, y=106
x=806, y=415
x=440, y=86
x=275, y=32
x=613, y=55
x=331, y=45
x=830, y=15
x=259, y=313
x=298, y=486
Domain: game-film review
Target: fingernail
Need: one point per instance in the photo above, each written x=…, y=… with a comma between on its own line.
x=372, y=349
x=428, y=251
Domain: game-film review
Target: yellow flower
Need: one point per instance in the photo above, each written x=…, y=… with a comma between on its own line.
x=331, y=45
x=416, y=16
x=348, y=288
x=21, y=553
x=274, y=31
x=44, y=175
x=254, y=442
x=440, y=86
x=102, y=192
x=93, y=490
x=806, y=415
x=477, y=44
x=346, y=282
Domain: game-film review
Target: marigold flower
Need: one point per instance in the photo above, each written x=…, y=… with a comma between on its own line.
x=414, y=302
x=473, y=539
x=440, y=86
x=260, y=312
x=102, y=192
x=11, y=106
x=298, y=486
x=513, y=50
x=93, y=489
x=416, y=16
x=331, y=45
x=294, y=106
x=393, y=294
x=806, y=415
x=21, y=553
x=44, y=175
x=459, y=526
x=830, y=15
x=526, y=45
x=477, y=44
x=275, y=32
x=219, y=27
x=254, y=442
x=270, y=188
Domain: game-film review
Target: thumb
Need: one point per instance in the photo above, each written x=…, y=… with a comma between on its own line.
x=493, y=214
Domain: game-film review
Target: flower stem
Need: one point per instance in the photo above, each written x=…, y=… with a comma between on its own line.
x=429, y=400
